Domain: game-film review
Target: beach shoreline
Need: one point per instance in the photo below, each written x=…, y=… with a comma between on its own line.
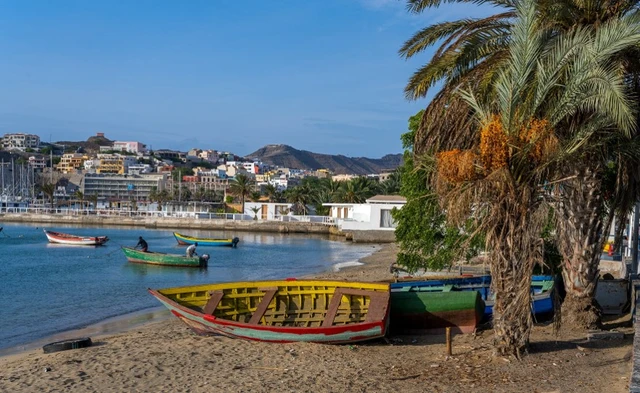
x=166, y=356
x=129, y=321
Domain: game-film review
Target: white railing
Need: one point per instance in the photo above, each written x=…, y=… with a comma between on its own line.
x=147, y=214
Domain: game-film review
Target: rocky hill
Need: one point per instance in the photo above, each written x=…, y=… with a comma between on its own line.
x=91, y=145
x=288, y=157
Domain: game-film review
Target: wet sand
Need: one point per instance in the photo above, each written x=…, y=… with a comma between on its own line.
x=166, y=356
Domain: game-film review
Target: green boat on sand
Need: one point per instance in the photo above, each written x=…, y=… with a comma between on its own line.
x=432, y=312
x=162, y=259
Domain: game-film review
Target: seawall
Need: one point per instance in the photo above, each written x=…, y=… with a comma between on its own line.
x=171, y=222
x=372, y=236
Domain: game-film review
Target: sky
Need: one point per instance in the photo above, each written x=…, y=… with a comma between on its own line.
x=322, y=76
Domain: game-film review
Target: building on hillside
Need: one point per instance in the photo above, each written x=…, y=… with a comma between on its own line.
x=130, y=147
x=384, y=176
x=20, y=141
x=232, y=170
x=71, y=162
x=320, y=174
x=90, y=165
x=172, y=155
x=343, y=177
x=252, y=167
x=139, y=169
x=122, y=187
x=37, y=162
x=280, y=182
x=114, y=163
x=209, y=156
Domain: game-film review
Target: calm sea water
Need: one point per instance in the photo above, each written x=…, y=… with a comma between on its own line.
x=47, y=289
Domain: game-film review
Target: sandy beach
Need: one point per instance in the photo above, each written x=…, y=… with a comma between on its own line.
x=166, y=356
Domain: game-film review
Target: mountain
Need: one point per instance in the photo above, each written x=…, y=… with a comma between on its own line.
x=288, y=157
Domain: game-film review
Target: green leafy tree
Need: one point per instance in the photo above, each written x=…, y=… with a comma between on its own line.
x=424, y=238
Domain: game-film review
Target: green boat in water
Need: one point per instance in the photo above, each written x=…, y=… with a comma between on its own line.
x=162, y=259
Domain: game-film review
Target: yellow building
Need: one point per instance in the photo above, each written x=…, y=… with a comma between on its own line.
x=71, y=162
x=114, y=163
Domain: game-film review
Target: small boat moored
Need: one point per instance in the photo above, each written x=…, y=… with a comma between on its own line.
x=184, y=240
x=415, y=312
x=330, y=312
x=65, y=238
x=162, y=259
x=542, y=291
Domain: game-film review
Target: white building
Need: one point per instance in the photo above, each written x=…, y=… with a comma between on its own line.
x=252, y=167
x=375, y=214
x=130, y=147
x=37, y=163
x=267, y=210
x=20, y=141
x=138, y=169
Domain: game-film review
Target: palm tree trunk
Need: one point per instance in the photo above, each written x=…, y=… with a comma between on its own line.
x=580, y=224
x=516, y=247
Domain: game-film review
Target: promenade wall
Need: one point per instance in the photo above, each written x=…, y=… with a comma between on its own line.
x=207, y=224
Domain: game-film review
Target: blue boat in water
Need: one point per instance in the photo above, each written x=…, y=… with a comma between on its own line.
x=542, y=290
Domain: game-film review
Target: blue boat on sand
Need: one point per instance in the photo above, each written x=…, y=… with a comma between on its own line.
x=542, y=291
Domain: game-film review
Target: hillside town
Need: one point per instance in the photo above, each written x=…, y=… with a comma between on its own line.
x=128, y=175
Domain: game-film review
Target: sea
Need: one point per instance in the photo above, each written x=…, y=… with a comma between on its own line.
x=48, y=289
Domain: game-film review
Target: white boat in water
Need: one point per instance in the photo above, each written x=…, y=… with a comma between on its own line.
x=65, y=238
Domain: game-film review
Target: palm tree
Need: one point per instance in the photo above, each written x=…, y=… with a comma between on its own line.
x=48, y=189
x=79, y=195
x=255, y=211
x=241, y=186
x=270, y=191
x=93, y=198
x=527, y=130
x=255, y=196
x=356, y=190
x=471, y=54
x=300, y=196
x=391, y=186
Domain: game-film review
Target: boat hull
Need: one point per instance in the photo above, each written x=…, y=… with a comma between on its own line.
x=432, y=312
x=308, y=300
x=67, y=239
x=160, y=259
x=187, y=240
x=542, y=287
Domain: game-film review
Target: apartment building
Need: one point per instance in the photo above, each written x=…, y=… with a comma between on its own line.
x=114, y=163
x=37, y=162
x=71, y=162
x=121, y=187
x=20, y=141
x=130, y=147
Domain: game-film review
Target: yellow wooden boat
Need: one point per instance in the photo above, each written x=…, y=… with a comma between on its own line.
x=283, y=311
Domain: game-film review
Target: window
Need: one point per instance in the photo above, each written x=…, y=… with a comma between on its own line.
x=386, y=221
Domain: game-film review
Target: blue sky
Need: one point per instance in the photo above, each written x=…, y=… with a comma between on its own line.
x=322, y=76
